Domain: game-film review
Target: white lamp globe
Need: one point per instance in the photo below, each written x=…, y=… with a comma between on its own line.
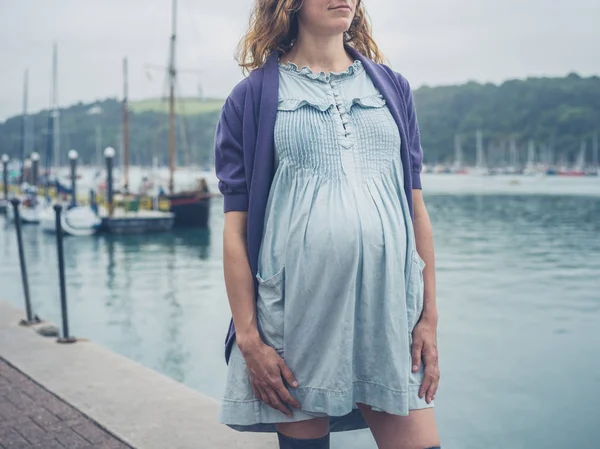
x=109, y=152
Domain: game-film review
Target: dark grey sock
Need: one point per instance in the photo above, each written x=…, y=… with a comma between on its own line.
x=286, y=442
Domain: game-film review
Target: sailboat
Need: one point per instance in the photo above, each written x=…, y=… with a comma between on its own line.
x=480, y=165
x=31, y=205
x=75, y=220
x=578, y=167
x=593, y=170
x=513, y=167
x=78, y=221
x=191, y=208
x=458, y=168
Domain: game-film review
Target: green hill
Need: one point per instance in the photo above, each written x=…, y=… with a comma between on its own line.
x=185, y=106
x=556, y=112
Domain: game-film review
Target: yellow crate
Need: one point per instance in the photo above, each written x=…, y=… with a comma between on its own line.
x=164, y=205
x=145, y=203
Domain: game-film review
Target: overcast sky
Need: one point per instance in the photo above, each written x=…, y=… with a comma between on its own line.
x=429, y=41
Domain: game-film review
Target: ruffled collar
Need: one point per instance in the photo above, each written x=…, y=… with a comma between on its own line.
x=355, y=69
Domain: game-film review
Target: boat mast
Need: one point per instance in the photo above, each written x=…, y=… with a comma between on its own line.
x=531, y=154
x=125, y=127
x=55, y=124
x=172, y=76
x=458, y=162
x=513, y=152
x=595, y=152
x=479, y=155
x=24, y=126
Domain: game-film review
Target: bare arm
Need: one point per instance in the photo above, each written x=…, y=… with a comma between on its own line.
x=424, y=348
x=238, y=278
x=266, y=369
x=424, y=237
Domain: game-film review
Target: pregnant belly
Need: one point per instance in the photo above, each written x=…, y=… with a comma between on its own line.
x=337, y=231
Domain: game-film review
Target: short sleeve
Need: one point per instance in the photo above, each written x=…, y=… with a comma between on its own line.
x=229, y=158
x=414, y=136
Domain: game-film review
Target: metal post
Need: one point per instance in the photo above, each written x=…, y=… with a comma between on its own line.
x=35, y=168
x=109, y=155
x=66, y=338
x=73, y=155
x=31, y=319
x=93, y=204
x=5, y=160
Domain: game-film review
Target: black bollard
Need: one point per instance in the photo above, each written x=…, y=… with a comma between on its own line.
x=109, y=155
x=31, y=319
x=66, y=338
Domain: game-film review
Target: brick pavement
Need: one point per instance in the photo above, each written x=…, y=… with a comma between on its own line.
x=33, y=418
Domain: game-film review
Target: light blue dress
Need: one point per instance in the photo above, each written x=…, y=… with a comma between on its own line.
x=340, y=280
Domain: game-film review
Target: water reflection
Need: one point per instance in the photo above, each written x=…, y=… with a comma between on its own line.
x=518, y=282
x=153, y=272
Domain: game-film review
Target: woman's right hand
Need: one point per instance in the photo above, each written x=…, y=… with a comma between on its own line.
x=267, y=371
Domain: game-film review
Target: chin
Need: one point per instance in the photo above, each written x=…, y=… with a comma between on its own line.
x=339, y=26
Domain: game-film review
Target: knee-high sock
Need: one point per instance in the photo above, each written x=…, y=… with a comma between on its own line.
x=286, y=442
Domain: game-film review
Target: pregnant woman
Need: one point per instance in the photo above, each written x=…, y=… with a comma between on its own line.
x=328, y=248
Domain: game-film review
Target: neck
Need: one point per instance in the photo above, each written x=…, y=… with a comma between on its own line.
x=319, y=53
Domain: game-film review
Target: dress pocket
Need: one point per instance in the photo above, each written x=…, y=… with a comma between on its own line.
x=415, y=290
x=270, y=308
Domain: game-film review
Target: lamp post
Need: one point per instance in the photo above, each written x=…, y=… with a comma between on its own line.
x=5, y=160
x=109, y=156
x=35, y=167
x=73, y=155
x=26, y=171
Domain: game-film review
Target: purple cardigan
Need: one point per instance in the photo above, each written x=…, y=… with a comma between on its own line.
x=245, y=148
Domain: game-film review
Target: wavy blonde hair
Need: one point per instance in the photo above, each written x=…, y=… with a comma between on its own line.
x=274, y=26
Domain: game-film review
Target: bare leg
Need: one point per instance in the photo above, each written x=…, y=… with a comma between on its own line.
x=312, y=428
x=418, y=430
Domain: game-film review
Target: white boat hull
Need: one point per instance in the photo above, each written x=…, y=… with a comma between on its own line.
x=29, y=215
x=78, y=221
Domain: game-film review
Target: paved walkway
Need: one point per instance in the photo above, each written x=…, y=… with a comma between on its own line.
x=33, y=418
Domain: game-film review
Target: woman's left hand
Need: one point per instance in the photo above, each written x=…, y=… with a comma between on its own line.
x=424, y=349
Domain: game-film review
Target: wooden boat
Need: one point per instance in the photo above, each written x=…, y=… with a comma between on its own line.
x=190, y=208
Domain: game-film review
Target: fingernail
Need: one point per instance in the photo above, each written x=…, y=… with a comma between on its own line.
x=294, y=384
x=415, y=367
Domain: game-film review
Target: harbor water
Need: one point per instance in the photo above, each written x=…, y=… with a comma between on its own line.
x=518, y=275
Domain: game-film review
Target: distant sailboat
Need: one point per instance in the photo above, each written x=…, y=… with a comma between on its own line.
x=513, y=167
x=480, y=164
x=458, y=166
x=530, y=167
x=578, y=168
x=593, y=170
